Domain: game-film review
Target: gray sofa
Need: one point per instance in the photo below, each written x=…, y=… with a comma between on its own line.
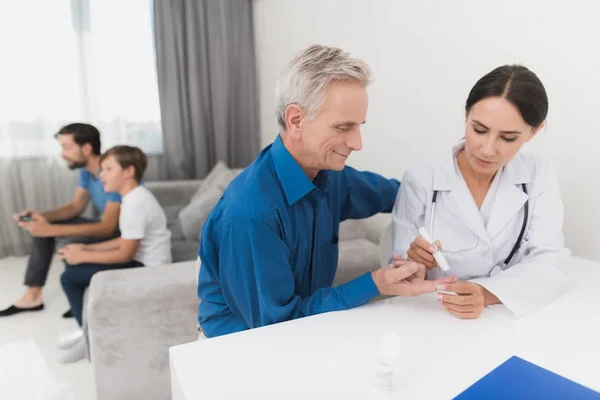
x=134, y=316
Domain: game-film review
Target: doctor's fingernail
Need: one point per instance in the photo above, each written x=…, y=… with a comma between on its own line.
x=431, y=249
x=440, y=287
x=440, y=297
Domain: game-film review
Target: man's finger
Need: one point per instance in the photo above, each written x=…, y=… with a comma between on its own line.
x=445, y=280
x=397, y=261
x=422, y=286
x=414, y=287
x=397, y=264
x=439, y=244
x=403, y=271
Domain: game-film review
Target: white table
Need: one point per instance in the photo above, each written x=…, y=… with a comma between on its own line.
x=332, y=355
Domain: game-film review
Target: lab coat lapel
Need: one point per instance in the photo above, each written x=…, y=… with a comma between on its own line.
x=460, y=202
x=510, y=197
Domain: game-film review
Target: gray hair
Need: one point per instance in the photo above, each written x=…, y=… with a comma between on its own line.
x=307, y=76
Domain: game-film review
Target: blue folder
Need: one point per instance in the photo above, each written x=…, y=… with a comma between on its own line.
x=518, y=379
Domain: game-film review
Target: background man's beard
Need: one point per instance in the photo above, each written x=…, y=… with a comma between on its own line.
x=76, y=164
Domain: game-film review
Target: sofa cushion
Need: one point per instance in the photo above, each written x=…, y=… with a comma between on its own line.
x=356, y=257
x=219, y=176
x=193, y=216
x=184, y=250
x=173, y=224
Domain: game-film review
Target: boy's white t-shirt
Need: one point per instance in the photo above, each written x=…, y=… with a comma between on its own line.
x=142, y=218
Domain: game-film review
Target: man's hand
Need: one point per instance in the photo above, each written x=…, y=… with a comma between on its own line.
x=73, y=254
x=421, y=251
x=38, y=226
x=17, y=217
x=470, y=300
x=405, y=278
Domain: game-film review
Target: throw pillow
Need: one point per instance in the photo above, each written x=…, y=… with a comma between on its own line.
x=193, y=216
x=216, y=176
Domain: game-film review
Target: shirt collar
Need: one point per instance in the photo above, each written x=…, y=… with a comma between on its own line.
x=296, y=184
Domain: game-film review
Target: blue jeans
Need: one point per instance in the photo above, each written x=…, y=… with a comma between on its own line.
x=76, y=279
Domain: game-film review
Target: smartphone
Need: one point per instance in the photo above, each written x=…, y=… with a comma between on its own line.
x=25, y=217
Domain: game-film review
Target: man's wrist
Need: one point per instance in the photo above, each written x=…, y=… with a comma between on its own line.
x=51, y=230
x=62, y=230
x=378, y=279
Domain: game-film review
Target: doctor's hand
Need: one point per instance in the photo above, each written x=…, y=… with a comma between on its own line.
x=469, y=301
x=405, y=278
x=421, y=251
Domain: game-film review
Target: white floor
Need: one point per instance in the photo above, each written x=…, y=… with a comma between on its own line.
x=28, y=353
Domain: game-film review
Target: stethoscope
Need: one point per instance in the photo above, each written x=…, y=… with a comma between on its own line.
x=515, y=248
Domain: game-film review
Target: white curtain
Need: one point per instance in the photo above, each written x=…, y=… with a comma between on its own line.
x=66, y=61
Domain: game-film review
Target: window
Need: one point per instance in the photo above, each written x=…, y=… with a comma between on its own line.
x=77, y=60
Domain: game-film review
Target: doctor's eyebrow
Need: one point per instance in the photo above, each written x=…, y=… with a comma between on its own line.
x=508, y=132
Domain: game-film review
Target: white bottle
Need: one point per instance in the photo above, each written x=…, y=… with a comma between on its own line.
x=385, y=368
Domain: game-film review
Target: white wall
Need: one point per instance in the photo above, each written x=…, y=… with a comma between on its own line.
x=425, y=57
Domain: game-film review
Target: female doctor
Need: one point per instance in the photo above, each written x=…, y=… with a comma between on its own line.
x=495, y=213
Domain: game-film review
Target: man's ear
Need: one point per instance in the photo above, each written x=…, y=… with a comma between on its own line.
x=294, y=117
x=87, y=150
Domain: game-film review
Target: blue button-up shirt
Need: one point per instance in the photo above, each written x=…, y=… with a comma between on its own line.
x=269, y=248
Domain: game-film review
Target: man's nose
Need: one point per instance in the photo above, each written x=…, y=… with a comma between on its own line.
x=354, y=142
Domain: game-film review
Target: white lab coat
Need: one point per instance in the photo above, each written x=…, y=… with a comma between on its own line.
x=533, y=278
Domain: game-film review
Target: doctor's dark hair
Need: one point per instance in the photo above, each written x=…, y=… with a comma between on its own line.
x=518, y=85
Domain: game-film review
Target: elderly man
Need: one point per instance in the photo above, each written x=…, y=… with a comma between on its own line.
x=269, y=248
